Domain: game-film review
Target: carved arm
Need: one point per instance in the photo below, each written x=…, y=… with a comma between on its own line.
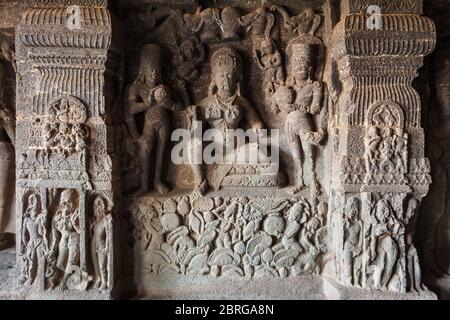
x=251, y=116
x=316, y=104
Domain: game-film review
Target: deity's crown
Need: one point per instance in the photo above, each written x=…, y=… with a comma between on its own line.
x=303, y=52
x=226, y=57
x=151, y=54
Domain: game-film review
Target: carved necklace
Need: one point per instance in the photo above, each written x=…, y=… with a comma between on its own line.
x=225, y=101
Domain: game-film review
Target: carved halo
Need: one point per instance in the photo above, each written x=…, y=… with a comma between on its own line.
x=67, y=109
x=385, y=114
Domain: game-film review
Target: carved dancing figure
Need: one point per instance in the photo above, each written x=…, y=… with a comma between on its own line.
x=299, y=102
x=100, y=247
x=147, y=95
x=258, y=23
x=306, y=22
x=269, y=60
x=33, y=237
x=190, y=54
x=224, y=108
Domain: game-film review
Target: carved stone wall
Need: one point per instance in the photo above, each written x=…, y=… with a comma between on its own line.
x=67, y=185
x=124, y=189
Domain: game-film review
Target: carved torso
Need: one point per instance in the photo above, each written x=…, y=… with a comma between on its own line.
x=222, y=114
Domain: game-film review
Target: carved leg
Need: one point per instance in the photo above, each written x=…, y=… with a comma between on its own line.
x=95, y=262
x=145, y=150
x=195, y=158
x=131, y=125
x=102, y=260
x=296, y=151
x=347, y=266
x=201, y=183
x=163, y=138
x=310, y=158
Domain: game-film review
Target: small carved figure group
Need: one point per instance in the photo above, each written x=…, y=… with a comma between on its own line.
x=65, y=130
x=233, y=237
x=50, y=245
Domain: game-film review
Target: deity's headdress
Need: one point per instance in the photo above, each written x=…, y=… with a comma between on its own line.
x=305, y=53
x=225, y=58
x=151, y=57
x=151, y=54
x=228, y=58
x=307, y=49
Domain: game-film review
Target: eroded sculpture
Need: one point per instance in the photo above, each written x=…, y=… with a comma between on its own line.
x=100, y=202
x=149, y=96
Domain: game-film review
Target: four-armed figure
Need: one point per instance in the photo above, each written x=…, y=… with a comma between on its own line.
x=224, y=108
x=299, y=101
x=147, y=95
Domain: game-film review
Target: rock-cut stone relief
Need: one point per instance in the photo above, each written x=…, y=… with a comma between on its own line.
x=148, y=95
x=327, y=108
x=228, y=237
x=101, y=243
x=50, y=248
x=50, y=242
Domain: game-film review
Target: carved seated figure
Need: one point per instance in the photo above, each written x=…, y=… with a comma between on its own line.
x=147, y=95
x=224, y=108
x=299, y=102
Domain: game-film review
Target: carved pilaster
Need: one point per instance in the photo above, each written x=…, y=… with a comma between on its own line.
x=380, y=172
x=66, y=182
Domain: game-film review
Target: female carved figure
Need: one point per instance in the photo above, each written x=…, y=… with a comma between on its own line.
x=224, y=108
x=383, y=246
x=147, y=95
x=353, y=230
x=66, y=228
x=299, y=102
x=34, y=242
x=100, y=246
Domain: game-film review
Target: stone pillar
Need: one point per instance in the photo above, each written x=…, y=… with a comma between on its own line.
x=380, y=173
x=67, y=186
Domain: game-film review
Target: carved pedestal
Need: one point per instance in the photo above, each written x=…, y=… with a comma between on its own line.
x=67, y=195
x=380, y=173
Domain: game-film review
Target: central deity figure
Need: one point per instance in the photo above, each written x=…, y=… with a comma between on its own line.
x=224, y=108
